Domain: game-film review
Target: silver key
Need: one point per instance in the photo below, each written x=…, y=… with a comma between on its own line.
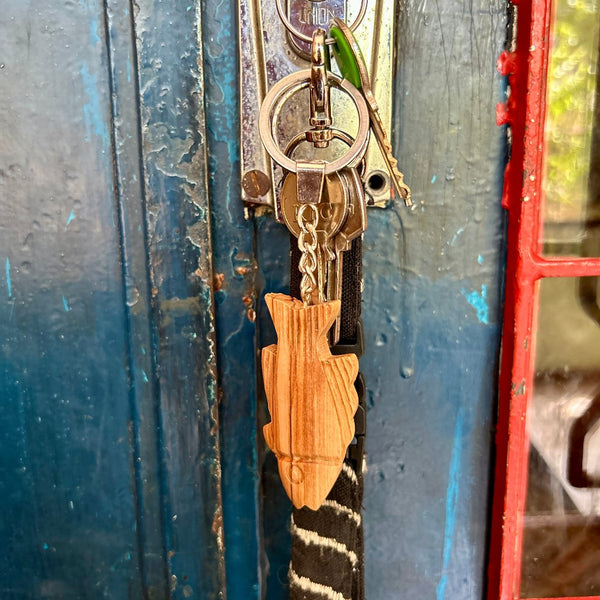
x=354, y=225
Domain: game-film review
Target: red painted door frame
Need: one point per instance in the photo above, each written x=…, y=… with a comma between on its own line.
x=524, y=112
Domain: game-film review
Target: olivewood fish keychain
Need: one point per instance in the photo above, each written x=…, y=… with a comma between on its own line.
x=311, y=393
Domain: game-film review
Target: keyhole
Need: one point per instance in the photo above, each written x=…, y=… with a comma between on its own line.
x=376, y=182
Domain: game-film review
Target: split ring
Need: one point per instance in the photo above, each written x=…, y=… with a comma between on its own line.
x=302, y=137
x=306, y=38
x=337, y=135
x=287, y=87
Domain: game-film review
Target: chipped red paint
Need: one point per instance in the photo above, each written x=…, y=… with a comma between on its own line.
x=524, y=112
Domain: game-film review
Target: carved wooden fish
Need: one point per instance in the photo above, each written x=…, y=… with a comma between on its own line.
x=311, y=398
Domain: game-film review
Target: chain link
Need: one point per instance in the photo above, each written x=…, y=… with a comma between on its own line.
x=308, y=244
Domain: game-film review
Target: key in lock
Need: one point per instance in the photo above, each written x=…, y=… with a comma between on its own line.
x=306, y=16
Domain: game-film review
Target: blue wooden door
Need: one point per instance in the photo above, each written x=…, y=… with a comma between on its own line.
x=132, y=463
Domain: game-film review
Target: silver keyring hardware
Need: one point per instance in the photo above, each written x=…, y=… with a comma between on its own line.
x=286, y=88
x=336, y=134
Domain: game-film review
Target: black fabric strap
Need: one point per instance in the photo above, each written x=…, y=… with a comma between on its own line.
x=328, y=544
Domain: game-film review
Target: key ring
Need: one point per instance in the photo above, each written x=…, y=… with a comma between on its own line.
x=287, y=87
x=336, y=134
x=305, y=38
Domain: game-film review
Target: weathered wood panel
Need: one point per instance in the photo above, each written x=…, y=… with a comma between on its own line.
x=67, y=475
x=235, y=272
x=109, y=473
x=432, y=310
x=171, y=88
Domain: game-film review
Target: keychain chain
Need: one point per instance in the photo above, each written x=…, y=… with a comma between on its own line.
x=308, y=243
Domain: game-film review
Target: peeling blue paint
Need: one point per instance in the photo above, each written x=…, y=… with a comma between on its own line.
x=129, y=74
x=70, y=218
x=66, y=304
x=145, y=376
x=454, y=477
x=94, y=37
x=480, y=259
x=224, y=128
x=8, y=280
x=240, y=478
x=455, y=237
x=434, y=179
x=479, y=303
x=92, y=110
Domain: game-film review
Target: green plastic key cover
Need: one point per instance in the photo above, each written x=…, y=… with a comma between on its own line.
x=345, y=58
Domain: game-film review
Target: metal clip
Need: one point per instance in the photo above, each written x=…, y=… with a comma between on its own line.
x=267, y=56
x=320, y=99
x=284, y=92
x=309, y=182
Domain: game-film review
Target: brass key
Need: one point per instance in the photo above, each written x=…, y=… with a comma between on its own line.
x=332, y=210
x=352, y=65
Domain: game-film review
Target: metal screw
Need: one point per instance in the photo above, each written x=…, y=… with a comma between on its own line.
x=256, y=183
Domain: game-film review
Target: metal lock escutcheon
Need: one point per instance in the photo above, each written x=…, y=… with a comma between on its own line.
x=267, y=56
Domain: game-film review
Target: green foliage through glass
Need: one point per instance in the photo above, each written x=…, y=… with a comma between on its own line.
x=569, y=122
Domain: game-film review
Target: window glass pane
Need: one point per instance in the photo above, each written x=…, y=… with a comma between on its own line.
x=561, y=548
x=571, y=184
